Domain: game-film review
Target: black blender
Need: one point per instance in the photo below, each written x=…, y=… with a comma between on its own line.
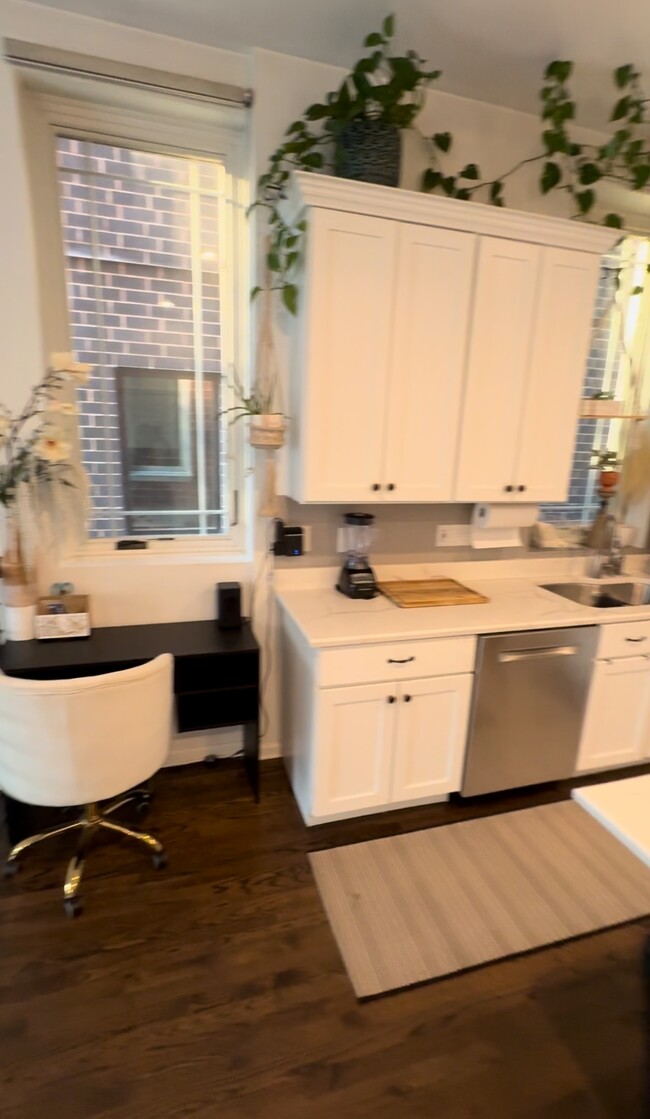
x=357, y=579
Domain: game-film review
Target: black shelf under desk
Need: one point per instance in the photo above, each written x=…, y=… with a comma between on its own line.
x=216, y=678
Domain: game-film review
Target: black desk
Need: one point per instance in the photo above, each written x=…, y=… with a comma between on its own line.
x=216, y=674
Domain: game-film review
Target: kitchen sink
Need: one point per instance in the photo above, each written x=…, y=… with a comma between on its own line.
x=603, y=595
x=631, y=594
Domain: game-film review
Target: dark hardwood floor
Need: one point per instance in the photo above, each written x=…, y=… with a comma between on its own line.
x=215, y=989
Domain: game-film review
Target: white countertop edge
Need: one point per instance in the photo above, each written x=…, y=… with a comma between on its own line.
x=623, y=807
x=534, y=569
x=516, y=604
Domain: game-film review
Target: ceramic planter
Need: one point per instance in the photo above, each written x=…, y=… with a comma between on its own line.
x=608, y=481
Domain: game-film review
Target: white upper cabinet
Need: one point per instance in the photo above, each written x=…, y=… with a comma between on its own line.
x=558, y=357
x=431, y=326
x=342, y=358
x=438, y=345
x=502, y=327
x=529, y=345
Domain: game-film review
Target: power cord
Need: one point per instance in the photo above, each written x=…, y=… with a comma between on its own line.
x=214, y=759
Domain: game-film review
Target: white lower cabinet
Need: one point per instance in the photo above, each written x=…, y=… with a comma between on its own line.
x=382, y=744
x=432, y=731
x=616, y=729
x=354, y=745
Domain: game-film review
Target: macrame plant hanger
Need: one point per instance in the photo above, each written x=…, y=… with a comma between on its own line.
x=267, y=428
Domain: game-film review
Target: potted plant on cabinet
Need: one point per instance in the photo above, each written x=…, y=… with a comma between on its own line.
x=354, y=132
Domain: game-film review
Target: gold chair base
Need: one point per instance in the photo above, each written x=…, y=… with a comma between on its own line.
x=91, y=820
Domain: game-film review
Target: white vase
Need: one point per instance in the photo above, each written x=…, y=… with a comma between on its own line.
x=18, y=585
x=19, y=622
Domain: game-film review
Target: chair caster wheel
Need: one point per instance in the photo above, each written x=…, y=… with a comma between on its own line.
x=159, y=860
x=11, y=868
x=143, y=804
x=73, y=907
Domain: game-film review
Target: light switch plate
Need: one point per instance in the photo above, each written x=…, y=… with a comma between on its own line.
x=453, y=536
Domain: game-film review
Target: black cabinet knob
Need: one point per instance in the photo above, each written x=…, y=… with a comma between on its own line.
x=376, y=486
x=390, y=486
x=508, y=489
x=407, y=698
x=521, y=489
x=391, y=698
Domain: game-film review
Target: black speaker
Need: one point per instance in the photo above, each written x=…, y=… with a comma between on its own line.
x=229, y=605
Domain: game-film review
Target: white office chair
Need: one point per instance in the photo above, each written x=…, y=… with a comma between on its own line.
x=78, y=742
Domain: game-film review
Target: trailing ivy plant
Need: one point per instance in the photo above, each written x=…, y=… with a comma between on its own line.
x=381, y=87
x=390, y=88
x=565, y=163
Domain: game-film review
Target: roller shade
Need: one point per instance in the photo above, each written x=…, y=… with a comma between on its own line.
x=37, y=57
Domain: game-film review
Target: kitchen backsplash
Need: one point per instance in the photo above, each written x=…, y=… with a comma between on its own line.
x=403, y=533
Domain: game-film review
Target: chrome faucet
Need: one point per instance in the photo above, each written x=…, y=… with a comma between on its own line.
x=609, y=557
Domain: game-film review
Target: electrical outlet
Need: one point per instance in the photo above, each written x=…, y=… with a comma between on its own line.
x=306, y=539
x=452, y=536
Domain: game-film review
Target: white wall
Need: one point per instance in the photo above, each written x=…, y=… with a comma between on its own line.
x=134, y=589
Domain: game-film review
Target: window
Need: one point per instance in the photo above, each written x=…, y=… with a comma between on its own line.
x=144, y=239
x=617, y=365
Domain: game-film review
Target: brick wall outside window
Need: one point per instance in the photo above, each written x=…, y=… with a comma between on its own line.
x=134, y=234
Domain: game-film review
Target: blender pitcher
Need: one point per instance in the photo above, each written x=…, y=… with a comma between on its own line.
x=357, y=579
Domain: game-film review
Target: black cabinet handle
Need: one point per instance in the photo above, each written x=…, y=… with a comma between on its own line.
x=508, y=489
x=636, y=639
x=390, y=486
x=407, y=660
x=521, y=489
x=376, y=486
x=391, y=698
x=407, y=698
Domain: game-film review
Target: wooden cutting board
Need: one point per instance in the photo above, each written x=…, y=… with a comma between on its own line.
x=430, y=592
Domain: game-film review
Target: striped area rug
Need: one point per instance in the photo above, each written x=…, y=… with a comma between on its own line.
x=420, y=906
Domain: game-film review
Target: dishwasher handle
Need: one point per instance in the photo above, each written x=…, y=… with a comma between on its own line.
x=538, y=654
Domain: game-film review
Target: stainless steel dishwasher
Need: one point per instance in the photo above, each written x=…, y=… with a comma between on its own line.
x=529, y=703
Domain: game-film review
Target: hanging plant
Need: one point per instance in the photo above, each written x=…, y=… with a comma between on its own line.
x=385, y=92
x=565, y=164
x=382, y=94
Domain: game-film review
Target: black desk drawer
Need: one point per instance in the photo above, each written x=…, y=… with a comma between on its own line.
x=214, y=673
x=204, y=710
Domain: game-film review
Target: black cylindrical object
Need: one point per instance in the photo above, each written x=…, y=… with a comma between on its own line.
x=229, y=605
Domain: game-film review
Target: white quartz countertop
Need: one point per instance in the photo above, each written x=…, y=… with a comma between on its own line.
x=327, y=618
x=623, y=807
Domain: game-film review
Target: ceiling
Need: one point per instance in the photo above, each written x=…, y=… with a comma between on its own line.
x=493, y=50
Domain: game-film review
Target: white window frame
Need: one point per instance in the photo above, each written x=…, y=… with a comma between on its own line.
x=45, y=117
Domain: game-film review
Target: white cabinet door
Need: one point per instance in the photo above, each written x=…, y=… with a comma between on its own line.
x=565, y=306
x=617, y=723
x=499, y=358
x=431, y=736
x=432, y=319
x=354, y=744
x=345, y=356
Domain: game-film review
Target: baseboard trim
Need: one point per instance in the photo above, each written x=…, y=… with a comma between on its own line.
x=195, y=746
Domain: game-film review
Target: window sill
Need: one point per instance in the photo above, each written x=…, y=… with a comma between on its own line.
x=101, y=554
